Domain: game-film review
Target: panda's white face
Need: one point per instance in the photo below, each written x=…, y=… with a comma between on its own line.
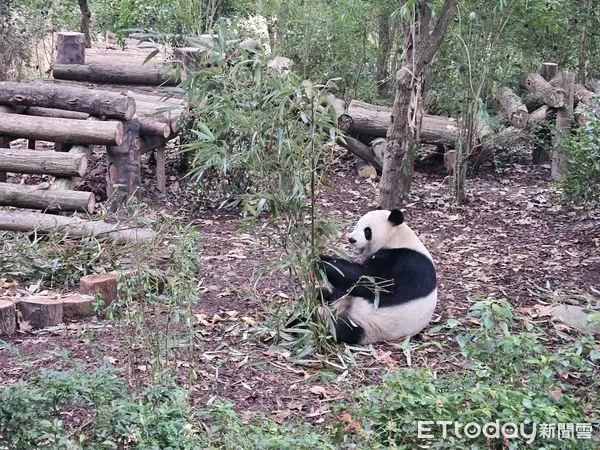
x=372, y=232
x=384, y=229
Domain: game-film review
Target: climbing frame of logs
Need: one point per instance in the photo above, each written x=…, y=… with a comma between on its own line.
x=75, y=116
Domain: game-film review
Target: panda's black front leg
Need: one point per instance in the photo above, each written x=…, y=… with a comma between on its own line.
x=341, y=273
x=330, y=295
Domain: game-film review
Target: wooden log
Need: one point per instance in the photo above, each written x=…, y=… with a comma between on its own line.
x=68, y=183
x=336, y=104
x=5, y=143
x=118, y=74
x=104, y=285
x=70, y=131
x=41, y=312
x=90, y=101
x=581, y=95
x=25, y=221
x=152, y=126
x=364, y=169
x=161, y=159
x=123, y=174
x=564, y=122
x=535, y=83
x=375, y=120
x=70, y=48
x=593, y=85
x=75, y=306
x=8, y=320
x=379, y=147
x=48, y=162
x=548, y=70
x=513, y=107
x=23, y=196
x=361, y=150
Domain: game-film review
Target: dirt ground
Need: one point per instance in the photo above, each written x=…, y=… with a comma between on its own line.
x=513, y=240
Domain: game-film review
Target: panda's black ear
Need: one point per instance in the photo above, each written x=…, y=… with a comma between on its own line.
x=396, y=217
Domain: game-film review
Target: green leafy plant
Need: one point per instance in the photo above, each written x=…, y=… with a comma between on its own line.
x=502, y=375
x=581, y=182
x=256, y=142
x=53, y=259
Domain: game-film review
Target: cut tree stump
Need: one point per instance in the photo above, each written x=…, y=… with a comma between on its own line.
x=41, y=312
x=549, y=70
x=25, y=221
x=192, y=58
x=8, y=318
x=117, y=74
x=24, y=196
x=94, y=102
x=513, y=107
x=69, y=131
x=75, y=306
x=70, y=48
x=48, y=162
x=103, y=284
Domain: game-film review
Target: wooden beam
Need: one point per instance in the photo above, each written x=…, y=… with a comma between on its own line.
x=25, y=221
x=117, y=74
x=70, y=131
x=24, y=196
x=96, y=103
x=47, y=162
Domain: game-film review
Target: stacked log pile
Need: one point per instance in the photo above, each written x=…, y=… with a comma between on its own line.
x=549, y=94
x=75, y=116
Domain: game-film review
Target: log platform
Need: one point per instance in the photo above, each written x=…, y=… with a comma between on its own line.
x=87, y=108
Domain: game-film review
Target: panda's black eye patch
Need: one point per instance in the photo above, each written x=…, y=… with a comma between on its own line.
x=368, y=233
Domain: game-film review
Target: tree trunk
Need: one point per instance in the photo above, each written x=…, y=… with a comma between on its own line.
x=70, y=131
x=48, y=162
x=513, y=107
x=419, y=47
x=24, y=196
x=114, y=74
x=564, y=122
x=96, y=103
x=25, y=221
x=382, y=74
x=70, y=48
x=8, y=317
x=84, y=24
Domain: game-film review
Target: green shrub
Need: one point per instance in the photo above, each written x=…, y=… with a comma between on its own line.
x=581, y=182
x=501, y=375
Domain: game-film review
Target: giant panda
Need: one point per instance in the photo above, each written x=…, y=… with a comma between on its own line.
x=392, y=293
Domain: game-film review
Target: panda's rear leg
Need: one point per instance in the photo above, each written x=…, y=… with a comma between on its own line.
x=346, y=331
